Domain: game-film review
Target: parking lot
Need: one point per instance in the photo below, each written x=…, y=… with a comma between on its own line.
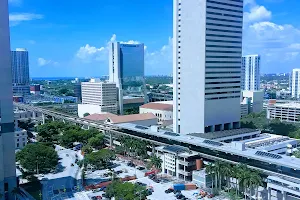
x=158, y=188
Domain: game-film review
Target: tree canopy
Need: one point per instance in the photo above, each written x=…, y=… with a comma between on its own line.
x=97, y=141
x=37, y=156
x=100, y=159
x=125, y=191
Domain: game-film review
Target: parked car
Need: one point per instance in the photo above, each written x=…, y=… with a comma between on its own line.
x=180, y=196
x=140, y=168
x=102, y=188
x=130, y=164
x=176, y=191
x=156, y=180
x=169, y=190
x=141, y=184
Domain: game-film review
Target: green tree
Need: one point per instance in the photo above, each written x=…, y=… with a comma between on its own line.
x=211, y=170
x=86, y=114
x=297, y=153
x=155, y=161
x=37, y=158
x=125, y=191
x=280, y=128
x=27, y=124
x=100, y=159
x=49, y=132
x=87, y=149
x=97, y=142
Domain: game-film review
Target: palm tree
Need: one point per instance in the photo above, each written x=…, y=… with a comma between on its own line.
x=235, y=174
x=226, y=172
x=210, y=169
x=156, y=161
x=218, y=167
x=256, y=181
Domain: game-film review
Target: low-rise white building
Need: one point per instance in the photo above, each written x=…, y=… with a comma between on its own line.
x=177, y=161
x=20, y=138
x=144, y=119
x=283, y=188
x=284, y=112
x=163, y=110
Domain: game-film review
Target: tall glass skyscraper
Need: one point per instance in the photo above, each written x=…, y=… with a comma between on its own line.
x=20, y=71
x=126, y=69
x=7, y=138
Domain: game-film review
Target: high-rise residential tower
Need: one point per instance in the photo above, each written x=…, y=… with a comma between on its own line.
x=126, y=69
x=207, y=48
x=20, y=71
x=7, y=142
x=295, y=83
x=251, y=72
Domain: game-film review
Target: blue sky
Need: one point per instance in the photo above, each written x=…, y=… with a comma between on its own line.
x=69, y=38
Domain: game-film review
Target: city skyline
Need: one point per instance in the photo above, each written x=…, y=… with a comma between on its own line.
x=68, y=47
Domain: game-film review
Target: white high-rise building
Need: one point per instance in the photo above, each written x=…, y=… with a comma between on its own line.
x=98, y=97
x=251, y=72
x=295, y=83
x=7, y=138
x=20, y=71
x=207, y=52
x=126, y=69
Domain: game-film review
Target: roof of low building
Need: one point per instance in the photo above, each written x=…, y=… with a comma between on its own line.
x=131, y=118
x=158, y=106
x=99, y=117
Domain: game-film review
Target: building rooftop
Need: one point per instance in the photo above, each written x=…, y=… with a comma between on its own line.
x=290, y=162
x=288, y=105
x=100, y=117
x=163, y=105
x=65, y=168
x=220, y=134
x=130, y=118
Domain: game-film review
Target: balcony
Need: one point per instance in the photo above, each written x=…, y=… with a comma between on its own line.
x=185, y=163
x=184, y=172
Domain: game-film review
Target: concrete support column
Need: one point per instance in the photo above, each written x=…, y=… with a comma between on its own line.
x=283, y=195
x=110, y=140
x=222, y=127
x=269, y=193
x=33, y=114
x=43, y=118
x=153, y=148
x=53, y=119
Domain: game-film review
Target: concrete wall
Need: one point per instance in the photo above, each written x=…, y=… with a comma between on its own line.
x=95, y=109
x=148, y=122
x=160, y=114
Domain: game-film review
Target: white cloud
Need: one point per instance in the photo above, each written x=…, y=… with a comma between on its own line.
x=156, y=62
x=15, y=2
x=256, y=14
x=43, y=62
x=295, y=46
x=90, y=53
x=16, y=18
x=278, y=44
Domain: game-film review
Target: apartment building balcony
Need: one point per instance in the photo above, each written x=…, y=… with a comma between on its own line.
x=187, y=163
